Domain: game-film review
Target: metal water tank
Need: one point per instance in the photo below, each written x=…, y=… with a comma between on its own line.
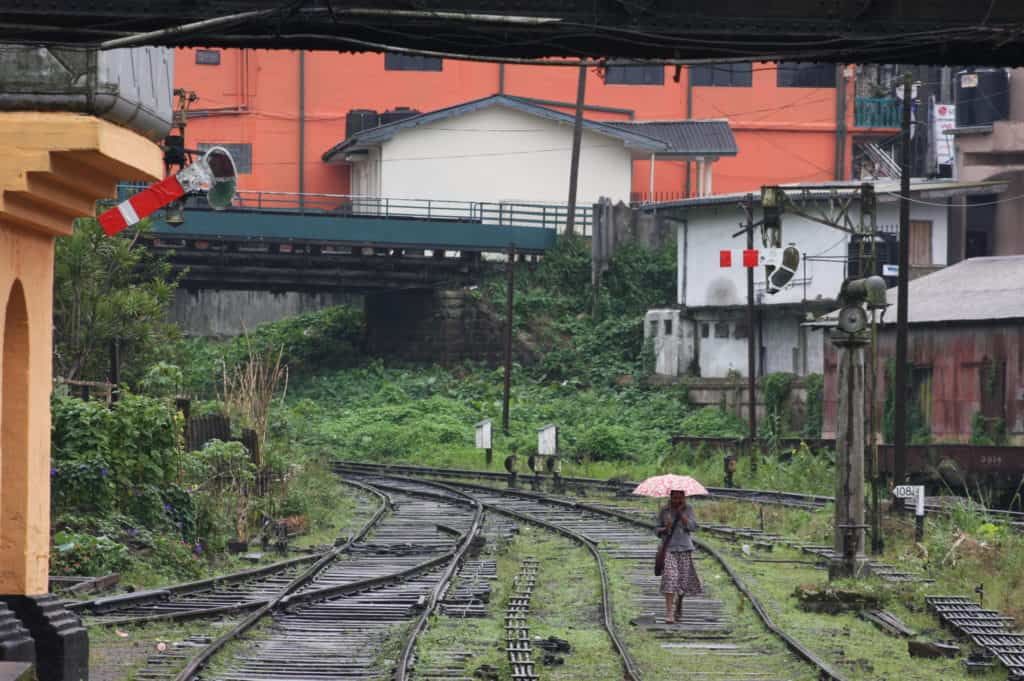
x=358, y=120
x=982, y=97
x=397, y=114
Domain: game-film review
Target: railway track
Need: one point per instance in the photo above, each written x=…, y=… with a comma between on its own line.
x=809, y=502
x=335, y=622
x=230, y=594
x=617, y=536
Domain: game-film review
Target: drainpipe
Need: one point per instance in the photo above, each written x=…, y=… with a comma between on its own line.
x=840, y=156
x=302, y=129
x=689, y=114
x=501, y=78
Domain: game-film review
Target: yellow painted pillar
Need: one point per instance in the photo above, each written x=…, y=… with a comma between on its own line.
x=55, y=167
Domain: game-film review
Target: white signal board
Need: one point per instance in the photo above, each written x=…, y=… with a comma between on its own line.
x=547, y=440
x=483, y=434
x=915, y=492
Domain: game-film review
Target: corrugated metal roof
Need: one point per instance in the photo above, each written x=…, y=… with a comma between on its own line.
x=375, y=136
x=687, y=137
x=974, y=290
x=886, y=190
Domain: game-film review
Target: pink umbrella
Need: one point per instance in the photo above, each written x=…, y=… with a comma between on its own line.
x=662, y=486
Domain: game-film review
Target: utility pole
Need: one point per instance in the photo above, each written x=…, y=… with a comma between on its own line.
x=510, y=269
x=902, y=291
x=751, y=354
x=577, y=138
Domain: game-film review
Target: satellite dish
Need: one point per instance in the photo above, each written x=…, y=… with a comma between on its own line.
x=222, y=178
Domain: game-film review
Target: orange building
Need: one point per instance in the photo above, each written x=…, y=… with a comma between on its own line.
x=792, y=123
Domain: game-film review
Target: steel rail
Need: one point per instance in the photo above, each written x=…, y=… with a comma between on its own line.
x=794, y=499
x=630, y=669
x=200, y=660
x=1014, y=519
x=288, y=599
x=408, y=650
x=103, y=605
x=823, y=667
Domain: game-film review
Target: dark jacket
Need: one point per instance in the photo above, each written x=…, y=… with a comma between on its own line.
x=686, y=524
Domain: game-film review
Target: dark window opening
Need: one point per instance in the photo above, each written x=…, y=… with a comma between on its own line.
x=654, y=328
x=740, y=330
x=628, y=74
x=208, y=57
x=919, y=404
x=800, y=74
x=241, y=154
x=408, y=62
x=668, y=327
x=722, y=75
x=980, y=227
x=992, y=375
x=722, y=330
x=705, y=330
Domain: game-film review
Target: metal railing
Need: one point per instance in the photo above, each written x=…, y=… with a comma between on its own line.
x=502, y=213
x=876, y=112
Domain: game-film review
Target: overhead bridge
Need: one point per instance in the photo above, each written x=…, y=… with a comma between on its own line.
x=275, y=241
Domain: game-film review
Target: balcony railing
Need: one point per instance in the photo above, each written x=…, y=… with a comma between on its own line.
x=876, y=112
x=516, y=214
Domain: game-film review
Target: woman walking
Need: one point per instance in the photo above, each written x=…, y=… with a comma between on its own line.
x=675, y=522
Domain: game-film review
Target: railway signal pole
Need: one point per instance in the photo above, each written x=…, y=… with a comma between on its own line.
x=748, y=207
x=510, y=269
x=902, y=294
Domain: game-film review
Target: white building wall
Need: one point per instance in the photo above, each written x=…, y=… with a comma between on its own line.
x=708, y=230
x=500, y=154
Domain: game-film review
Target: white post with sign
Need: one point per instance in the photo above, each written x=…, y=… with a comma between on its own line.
x=483, y=438
x=916, y=494
x=547, y=450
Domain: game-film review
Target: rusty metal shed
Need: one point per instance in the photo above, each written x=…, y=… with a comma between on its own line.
x=966, y=350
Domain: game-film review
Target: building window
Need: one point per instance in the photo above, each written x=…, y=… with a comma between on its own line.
x=992, y=375
x=722, y=75
x=740, y=330
x=721, y=330
x=654, y=327
x=920, y=242
x=394, y=61
x=630, y=74
x=668, y=327
x=241, y=154
x=208, y=57
x=705, y=330
x=919, y=412
x=799, y=74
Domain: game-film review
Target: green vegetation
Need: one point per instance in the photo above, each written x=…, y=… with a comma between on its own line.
x=105, y=290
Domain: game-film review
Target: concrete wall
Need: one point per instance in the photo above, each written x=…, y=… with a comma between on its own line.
x=228, y=313
x=712, y=343
x=499, y=154
x=707, y=231
x=437, y=327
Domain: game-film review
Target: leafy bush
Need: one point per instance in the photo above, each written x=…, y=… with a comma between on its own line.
x=814, y=384
x=602, y=442
x=86, y=554
x=713, y=422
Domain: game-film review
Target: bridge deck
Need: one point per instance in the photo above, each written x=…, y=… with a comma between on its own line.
x=356, y=230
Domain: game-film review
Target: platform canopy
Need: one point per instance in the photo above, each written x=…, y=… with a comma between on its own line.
x=949, y=32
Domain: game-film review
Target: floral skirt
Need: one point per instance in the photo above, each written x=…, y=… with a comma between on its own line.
x=680, y=576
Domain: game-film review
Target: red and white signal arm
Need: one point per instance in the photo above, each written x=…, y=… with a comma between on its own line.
x=214, y=172
x=749, y=257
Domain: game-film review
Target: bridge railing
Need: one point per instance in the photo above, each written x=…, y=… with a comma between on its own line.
x=501, y=213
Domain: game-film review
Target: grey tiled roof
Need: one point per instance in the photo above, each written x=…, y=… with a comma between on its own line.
x=971, y=291
x=687, y=137
x=633, y=139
